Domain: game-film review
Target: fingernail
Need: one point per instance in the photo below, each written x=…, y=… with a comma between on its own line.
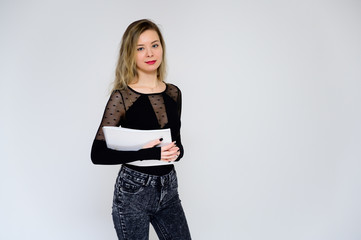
x=160, y=139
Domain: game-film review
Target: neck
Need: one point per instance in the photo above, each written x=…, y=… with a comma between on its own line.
x=147, y=79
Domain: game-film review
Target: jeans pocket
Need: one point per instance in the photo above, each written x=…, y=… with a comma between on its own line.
x=128, y=186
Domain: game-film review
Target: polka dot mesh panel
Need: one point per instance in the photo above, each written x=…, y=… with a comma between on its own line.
x=120, y=101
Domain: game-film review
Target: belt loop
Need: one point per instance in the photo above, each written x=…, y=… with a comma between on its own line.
x=148, y=180
x=162, y=180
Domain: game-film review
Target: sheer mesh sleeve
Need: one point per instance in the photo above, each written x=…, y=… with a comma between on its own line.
x=114, y=111
x=100, y=154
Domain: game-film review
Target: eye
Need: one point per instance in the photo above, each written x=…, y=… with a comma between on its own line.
x=140, y=49
x=155, y=45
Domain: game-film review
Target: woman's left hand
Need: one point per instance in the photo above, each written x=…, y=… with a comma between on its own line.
x=169, y=152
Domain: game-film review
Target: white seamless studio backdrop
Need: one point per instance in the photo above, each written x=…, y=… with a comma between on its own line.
x=270, y=125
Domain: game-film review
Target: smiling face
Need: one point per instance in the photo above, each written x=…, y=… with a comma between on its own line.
x=149, y=52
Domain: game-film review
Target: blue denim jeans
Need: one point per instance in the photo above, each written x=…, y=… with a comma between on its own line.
x=140, y=199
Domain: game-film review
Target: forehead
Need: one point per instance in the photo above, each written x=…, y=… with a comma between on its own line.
x=148, y=36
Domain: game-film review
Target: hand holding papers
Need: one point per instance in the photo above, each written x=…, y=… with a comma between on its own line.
x=125, y=139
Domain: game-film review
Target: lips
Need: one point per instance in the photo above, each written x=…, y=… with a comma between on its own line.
x=151, y=62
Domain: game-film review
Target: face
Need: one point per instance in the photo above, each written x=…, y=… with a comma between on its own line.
x=149, y=52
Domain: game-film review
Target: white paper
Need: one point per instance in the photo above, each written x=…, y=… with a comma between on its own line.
x=127, y=139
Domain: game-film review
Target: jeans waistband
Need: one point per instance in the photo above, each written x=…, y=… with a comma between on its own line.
x=147, y=179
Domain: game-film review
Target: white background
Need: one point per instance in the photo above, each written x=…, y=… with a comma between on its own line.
x=271, y=116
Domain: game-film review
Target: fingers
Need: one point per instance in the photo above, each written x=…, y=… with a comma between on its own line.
x=168, y=146
x=153, y=143
x=170, y=152
x=170, y=158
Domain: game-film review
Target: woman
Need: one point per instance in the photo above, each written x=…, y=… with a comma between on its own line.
x=142, y=100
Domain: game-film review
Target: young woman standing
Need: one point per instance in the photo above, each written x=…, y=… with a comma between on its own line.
x=144, y=193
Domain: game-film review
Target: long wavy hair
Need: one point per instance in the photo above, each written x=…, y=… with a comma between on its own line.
x=126, y=69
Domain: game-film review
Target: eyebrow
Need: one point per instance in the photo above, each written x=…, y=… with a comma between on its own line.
x=151, y=43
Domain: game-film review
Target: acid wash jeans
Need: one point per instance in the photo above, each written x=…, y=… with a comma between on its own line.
x=140, y=199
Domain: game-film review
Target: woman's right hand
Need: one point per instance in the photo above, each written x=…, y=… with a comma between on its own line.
x=169, y=152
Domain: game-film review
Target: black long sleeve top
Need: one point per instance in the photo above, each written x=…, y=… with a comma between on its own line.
x=131, y=109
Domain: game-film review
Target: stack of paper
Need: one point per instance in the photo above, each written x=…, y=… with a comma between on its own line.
x=126, y=139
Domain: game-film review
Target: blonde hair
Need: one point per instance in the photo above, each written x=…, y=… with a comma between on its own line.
x=126, y=69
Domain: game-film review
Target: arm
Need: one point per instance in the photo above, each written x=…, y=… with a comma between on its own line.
x=178, y=139
x=100, y=154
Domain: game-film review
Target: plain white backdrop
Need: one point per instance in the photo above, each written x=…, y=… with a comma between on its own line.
x=271, y=116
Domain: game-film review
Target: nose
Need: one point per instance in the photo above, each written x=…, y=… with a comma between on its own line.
x=149, y=52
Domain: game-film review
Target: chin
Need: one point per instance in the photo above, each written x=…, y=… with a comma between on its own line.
x=150, y=69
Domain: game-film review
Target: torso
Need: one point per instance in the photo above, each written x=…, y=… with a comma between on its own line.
x=147, y=110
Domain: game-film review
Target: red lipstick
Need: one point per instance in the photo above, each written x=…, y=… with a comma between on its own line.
x=151, y=62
